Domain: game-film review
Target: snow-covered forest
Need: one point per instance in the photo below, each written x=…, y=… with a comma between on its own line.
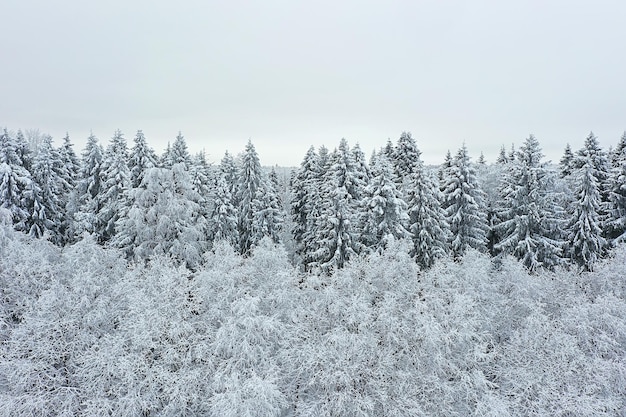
x=142, y=285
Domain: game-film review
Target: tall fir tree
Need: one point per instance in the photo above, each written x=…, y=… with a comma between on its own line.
x=385, y=209
x=89, y=187
x=69, y=196
x=179, y=152
x=336, y=226
x=587, y=245
x=502, y=158
x=223, y=217
x=305, y=195
x=115, y=182
x=566, y=164
x=257, y=208
x=529, y=217
x=50, y=176
x=142, y=157
x=616, y=220
x=406, y=158
x=464, y=204
x=427, y=219
x=15, y=179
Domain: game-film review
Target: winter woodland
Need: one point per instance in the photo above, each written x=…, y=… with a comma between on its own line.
x=135, y=284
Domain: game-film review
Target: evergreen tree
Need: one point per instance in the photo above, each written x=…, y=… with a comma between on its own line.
x=164, y=219
x=502, y=158
x=141, y=158
x=464, y=205
x=257, y=205
x=115, y=181
x=444, y=168
x=593, y=153
x=23, y=151
x=50, y=175
x=14, y=181
x=386, y=211
x=616, y=221
x=406, y=159
x=530, y=219
x=69, y=195
x=223, y=218
x=335, y=228
x=427, y=219
x=230, y=172
x=167, y=159
x=619, y=152
x=567, y=161
x=585, y=232
x=89, y=187
x=305, y=196
x=179, y=153
x=482, y=160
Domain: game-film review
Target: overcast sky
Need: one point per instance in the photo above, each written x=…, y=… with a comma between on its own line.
x=290, y=74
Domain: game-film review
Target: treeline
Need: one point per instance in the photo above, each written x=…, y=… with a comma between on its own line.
x=84, y=334
x=338, y=205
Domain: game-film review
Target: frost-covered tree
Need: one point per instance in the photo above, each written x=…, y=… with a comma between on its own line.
x=616, y=221
x=164, y=219
x=50, y=175
x=258, y=213
x=230, y=171
x=385, y=213
x=566, y=162
x=115, y=182
x=71, y=173
x=406, y=158
x=592, y=153
x=89, y=187
x=427, y=219
x=304, y=203
x=529, y=217
x=463, y=201
x=223, y=218
x=142, y=157
x=587, y=245
x=179, y=153
x=336, y=228
x=502, y=158
x=14, y=181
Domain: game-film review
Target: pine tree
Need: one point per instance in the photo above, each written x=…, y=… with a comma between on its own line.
x=619, y=152
x=49, y=175
x=464, y=205
x=336, y=225
x=14, y=181
x=115, y=182
x=616, y=221
x=141, y=158
x=502, y=158
x=567, y=161
x=70, y=173
x=179, y=152
x=305, y=187
x=427, y=219
x=89, y=187
x=406, y=158
x=223, y=218
x=482, y=160
x=230, y=172
x=386, y=211
x=585, y=232
x=593, y=153
x=444, y=168
x=164, y=219
x=530, y=219
x=257, y=206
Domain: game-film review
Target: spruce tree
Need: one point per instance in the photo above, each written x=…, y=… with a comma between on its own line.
x=49, y=174
x=529, y=217
x=115, y=182
x=223, y=218
x=502, y=158
x=179, y=153
x=616, y=221
x=587, y=245
x=14, y=181
x=305, y=195
x=385, y=210
x=69, y=196
x=89, y=187
x=427, y=219
x=464, y=205
x=336, y=225
x=406, y=158
x=567, y=161
x=141, y=158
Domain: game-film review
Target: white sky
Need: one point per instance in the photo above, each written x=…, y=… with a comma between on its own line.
x=289, y=74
